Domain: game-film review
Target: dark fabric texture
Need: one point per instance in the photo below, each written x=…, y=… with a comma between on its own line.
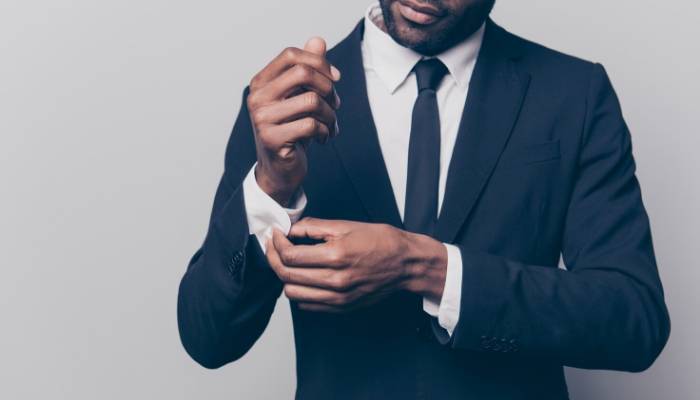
x=542, y=166
x=422, y=180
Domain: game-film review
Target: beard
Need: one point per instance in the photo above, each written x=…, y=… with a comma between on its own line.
x=452, y=27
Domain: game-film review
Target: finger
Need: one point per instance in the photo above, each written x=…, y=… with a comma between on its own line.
x=324, y=255
x=323, y=308
x=321, y=278
x=308, y=104
x=316, y=277
x=328, y=308
x=317, y=45
x=321, y=256
x=348, y=303
x=273, y=259
x=319, y=229
x=280, y=241
x=296, y=131
x=290, y=57
x=308, y=294
x=295, y=80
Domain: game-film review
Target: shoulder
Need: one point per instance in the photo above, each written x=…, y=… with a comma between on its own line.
x=540, y=59
x=554, y=73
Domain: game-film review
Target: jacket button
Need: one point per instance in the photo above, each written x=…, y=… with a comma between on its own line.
x=231, y=268
x=503, y=345
x=235, y=263
x=486, y=343
x=513, y=345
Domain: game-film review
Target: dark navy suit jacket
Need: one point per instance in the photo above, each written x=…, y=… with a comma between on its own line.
x=542, y=165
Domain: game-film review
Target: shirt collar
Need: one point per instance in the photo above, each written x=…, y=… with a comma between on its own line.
x=393, y=62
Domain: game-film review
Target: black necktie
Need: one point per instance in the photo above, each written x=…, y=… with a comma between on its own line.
x=420, y=213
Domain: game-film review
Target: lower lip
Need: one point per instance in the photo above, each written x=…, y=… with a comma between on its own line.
x=416, y=16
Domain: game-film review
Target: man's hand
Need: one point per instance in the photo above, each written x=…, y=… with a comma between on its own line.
x=356, y=265
x=291, y=101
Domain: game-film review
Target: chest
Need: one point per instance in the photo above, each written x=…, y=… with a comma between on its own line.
x=392, y=111
x=392, y=114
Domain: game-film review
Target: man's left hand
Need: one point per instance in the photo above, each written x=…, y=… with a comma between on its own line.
x=356, y=264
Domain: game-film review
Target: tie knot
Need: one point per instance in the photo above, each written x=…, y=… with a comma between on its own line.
x=429, y=73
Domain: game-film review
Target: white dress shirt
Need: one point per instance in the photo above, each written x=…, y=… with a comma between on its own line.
x=392, y=91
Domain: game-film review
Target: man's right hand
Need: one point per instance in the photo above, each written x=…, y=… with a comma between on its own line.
x=291, y=101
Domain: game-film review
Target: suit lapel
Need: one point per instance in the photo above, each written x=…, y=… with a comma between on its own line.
x=357, y=145
x=496, y=92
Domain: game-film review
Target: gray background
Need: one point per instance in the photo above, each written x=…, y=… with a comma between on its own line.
x=113, y=121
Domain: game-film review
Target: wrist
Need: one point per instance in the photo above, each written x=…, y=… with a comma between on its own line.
x=281, y=193
x=425, y=264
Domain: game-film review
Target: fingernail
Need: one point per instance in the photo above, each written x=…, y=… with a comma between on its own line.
x=337, y=128
x=335, y=72
x=336, y=99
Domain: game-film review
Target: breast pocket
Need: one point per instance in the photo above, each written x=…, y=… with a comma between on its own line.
x=524, y=155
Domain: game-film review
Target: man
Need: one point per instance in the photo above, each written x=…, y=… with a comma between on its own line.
x=438, y=196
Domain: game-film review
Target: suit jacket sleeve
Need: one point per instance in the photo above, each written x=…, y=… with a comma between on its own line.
x=228, y=292
x=607, y=310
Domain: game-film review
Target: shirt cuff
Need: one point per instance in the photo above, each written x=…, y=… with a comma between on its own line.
x=447, y=311
x=264, y=213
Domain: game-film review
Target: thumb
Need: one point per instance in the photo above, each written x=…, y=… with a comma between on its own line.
x=319, y=229
x=279, y=241
x=316, y=45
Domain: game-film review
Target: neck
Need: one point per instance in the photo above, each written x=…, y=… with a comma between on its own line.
x=378, y=19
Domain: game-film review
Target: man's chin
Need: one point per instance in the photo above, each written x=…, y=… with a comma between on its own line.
x=408, y=34
x=418, y=39
x=421, y=37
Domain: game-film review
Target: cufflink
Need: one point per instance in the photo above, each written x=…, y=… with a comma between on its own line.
x=236, y=262
x=486, y=342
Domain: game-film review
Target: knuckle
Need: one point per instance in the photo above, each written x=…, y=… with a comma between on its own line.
x=385, y=229
x=327, y=88
x=290, y=53
x=304, y=73
x=286, y=155
x=287, y=257
x=328, y=91
x=323, y=129
x=315, y=61
x=271, y=261
x=336, y=256
x=312, y=100
x=254, y=82
x=339, y=299
x=264, y=137
x=286, y=274
x=308, y=220
x=309, y=125
x=252, y=101
x=340, y=281
x=257, y=116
